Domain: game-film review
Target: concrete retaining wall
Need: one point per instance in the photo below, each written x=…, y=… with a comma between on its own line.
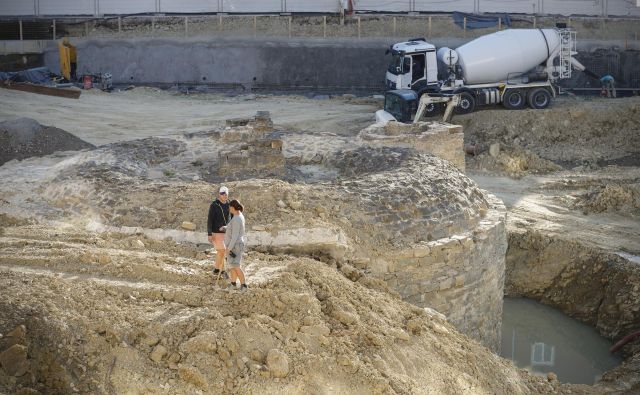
x=277, y=64
x=252, y=63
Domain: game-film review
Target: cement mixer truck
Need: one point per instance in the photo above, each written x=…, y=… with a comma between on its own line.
x=515, y=67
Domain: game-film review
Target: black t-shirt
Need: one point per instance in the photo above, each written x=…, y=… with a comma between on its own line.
x=218, y=216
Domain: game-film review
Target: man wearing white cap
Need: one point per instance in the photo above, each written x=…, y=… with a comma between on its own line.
x=217, y=221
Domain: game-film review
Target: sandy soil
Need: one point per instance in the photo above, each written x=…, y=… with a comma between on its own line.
x=548, y=204
x=101, y=118
x=109, y=313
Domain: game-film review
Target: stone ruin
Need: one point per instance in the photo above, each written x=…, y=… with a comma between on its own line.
x=251, y=150
x=437, y=138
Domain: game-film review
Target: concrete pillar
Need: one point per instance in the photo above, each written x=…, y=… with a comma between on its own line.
x=54, y=29
x=464, y=27
x=324, y=26
x=21, y=33
x=119, y=25
x=186, y=26
x=429, y=32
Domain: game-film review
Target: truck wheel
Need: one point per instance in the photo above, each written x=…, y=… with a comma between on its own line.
x=467, y=104
x=539, y=98
x=513, y=99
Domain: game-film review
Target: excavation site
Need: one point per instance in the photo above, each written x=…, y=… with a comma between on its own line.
x=473, y=234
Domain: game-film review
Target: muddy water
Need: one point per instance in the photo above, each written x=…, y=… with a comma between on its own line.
x=542, y=340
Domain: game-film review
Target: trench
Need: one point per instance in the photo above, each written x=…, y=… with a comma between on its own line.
x=565, y=305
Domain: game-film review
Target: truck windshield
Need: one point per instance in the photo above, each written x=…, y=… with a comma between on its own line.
x=396, y=61
x=393, y=105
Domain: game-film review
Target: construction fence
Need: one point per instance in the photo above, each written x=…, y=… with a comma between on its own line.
x=625, y=31
x=127, y=7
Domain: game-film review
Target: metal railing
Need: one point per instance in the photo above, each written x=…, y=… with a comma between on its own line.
x=624, y=30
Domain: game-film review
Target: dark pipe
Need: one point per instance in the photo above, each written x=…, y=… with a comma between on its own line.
x=591, y=74
x=624, y=341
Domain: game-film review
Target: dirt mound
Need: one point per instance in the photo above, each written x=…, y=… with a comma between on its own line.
x=515, y=162
x=614, y=197
x=24, y=137
x=130, y=315
x=572, y=131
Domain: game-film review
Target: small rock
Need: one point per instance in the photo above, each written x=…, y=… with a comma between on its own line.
x=151, y=341
x=281, y=204
x=552, y=376
x=140, y=244
x=494, y=149
x=20, y=332
x=316, y=330
x=349, y=96
x=277, y=363
x=204, y=342
x=14, y=360
x=192, y=375
x=381, y=97
x=188, y=225
x=158, y=353
x=295, y=205
x=104, y=259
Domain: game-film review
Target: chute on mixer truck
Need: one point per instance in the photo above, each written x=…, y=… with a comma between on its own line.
x=515, y=67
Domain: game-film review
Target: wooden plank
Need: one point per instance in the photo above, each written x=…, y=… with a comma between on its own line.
x=69, y=93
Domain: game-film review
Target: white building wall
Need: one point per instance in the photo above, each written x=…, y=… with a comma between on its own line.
x=126, y=6
x=252, y=6
x=313, y=6
x=12, y=7
x=444, y=6
x=383, y=5
x=65, y=7
x=510, y=6
x=178, y=6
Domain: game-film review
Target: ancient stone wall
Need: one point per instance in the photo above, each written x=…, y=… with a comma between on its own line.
x=461, y=276
x=256, y=154
x=440, y=139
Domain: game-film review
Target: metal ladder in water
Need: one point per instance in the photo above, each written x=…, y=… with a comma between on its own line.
x=567, y=49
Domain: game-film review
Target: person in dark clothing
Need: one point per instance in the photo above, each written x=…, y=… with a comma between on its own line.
x=217, y=221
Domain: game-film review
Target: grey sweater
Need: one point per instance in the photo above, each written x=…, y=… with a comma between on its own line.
x=235, y=232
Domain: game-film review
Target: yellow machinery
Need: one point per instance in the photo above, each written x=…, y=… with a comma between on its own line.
x=68, y=59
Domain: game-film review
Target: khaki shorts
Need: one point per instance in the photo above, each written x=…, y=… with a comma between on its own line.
x=218, y=241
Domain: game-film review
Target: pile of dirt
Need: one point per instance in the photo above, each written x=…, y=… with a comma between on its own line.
x=571, y=131
x=515, y=162
x=135, y=316
x=24, y=137
x=611, y=197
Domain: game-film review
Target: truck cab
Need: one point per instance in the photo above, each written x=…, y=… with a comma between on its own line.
x=401, y=104
x=413, y=66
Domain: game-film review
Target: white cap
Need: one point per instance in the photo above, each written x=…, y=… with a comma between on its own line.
x=224, y=189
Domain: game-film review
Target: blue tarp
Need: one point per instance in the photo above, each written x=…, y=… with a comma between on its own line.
x=480, y=21
x=38, y=75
